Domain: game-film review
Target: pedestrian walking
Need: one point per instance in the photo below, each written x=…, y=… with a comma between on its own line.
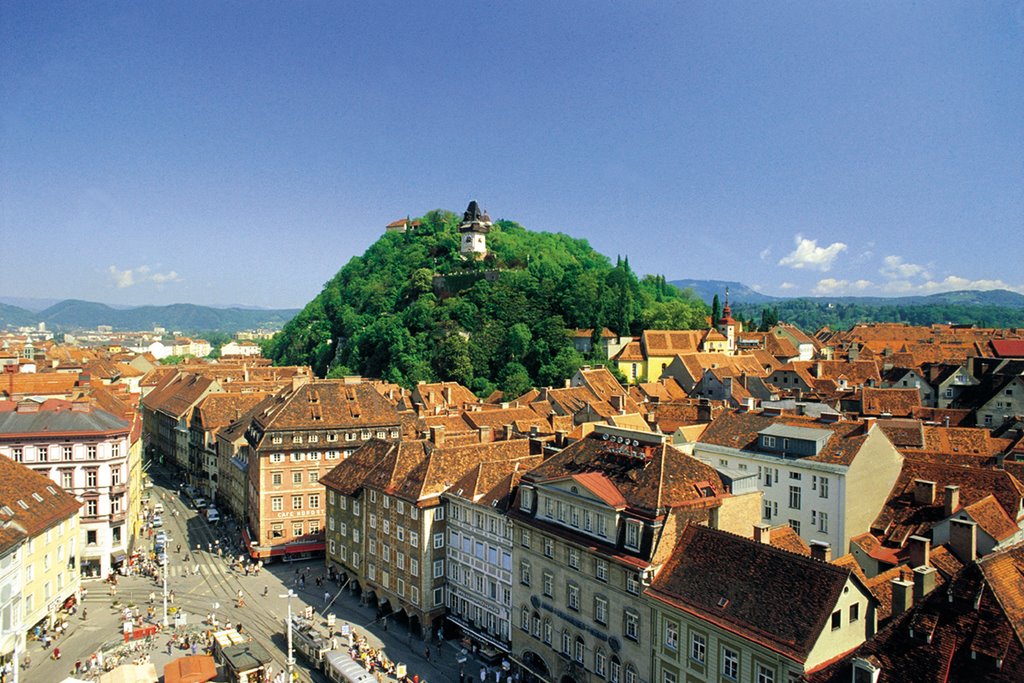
x=483, y=674
x=85, y=613
x=152, y=597
x=327, y=598
x=265, y=589
x=426, y=653
x=168, y=648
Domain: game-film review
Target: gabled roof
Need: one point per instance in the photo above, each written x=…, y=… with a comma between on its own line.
x=901, y=517
x=493, y=483
x=179, y=394
x=1008, y=348
x=767, y=595
x=992, y=518
x=740, y=430
x=896, y=402
x=664, y=478
x=32, y=501
x=670, y=342
x=971, y=630
x=56, y=417
x=322, y=404
x=417, y=471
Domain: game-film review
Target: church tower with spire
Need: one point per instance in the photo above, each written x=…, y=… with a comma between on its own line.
x=727, y=325
x=473, y=232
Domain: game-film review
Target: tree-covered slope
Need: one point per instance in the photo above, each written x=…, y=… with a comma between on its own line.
x=383, y=316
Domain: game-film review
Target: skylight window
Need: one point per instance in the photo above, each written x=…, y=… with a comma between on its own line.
x=23, y=504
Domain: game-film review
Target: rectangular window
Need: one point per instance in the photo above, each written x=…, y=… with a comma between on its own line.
x=66, y=451
x=438, y=514
x=837, y=620
x=632, y=583
x=90, y=477
x=698, y=647
x=549, y=584
x=414, y=566
x=574, y=558
x=17, y=454
x=373, y=520
x=296, y=477
x=730, y=664
x=314, y=500
x=438, y=541
x=633, y=528
x=823, y=522
x=632, y=625
x=854, y=612
x=524, y=573
x=573, y=592
x=296, y=502
x=296, y=528
x=524, y=538
x=795, y=523
x=91, y=507
x=823, y=488
x=765, y=674
x=672, y=635
x=601, y=609
x=526, y=499
x=601, y=570
x=67, y=478
x=794, y=497
x=277, y=503
x=549, y=547
x=115, y=476
x=414, y=539
x=90, y=452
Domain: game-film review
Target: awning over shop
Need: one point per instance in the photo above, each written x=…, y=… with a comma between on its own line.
x=305, y=547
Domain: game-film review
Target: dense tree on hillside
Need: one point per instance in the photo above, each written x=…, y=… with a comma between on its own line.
x=811, y=315
x=500, y=322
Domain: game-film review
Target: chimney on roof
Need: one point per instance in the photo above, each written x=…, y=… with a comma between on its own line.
x=1000, y=459
x=821, y=551
x=437, y=435
x=945, y=422
x=534, y=431
x=561, y=436
x=568, y=383
x=543, y=394
x=81, y=407
x=920, y=552
x=952, y=500
x=869, y=424
x=506, y=432
x=297, y=381
x=963, y=539
x=902, y=595
x=447, y=394
x=485, y=434
x=924, y=582
x=617, y=403
x=704, y=410
x=762, y=532
x=924, y=492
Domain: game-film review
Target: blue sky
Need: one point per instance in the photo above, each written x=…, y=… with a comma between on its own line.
x=227, y=152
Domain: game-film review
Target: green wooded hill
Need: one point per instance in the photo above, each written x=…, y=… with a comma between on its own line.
x=501, y=322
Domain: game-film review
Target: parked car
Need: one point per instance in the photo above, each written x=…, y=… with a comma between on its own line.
x=158, y=508
x=156, y=522
x=212, y=515
x=160, y=538
x=199, y=502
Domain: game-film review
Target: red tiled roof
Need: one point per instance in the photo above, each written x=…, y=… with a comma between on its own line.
x=1008, y=348
x=769, y=596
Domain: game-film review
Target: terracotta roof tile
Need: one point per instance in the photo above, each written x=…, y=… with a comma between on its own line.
x=34, y=501
x=895, y=402
x=663, y=478
x=765, y=594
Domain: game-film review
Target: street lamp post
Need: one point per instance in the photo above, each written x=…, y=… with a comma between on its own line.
x=291, y=659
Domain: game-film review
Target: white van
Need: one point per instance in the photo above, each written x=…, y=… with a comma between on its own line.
x=212, y=515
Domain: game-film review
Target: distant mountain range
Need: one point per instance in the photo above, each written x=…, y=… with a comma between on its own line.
x=72, y=314
x=742, y=294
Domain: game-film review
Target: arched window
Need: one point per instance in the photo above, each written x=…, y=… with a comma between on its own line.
x=615, y=670
x=631, y=676
x=547, y=631
x=580, y=650
x=600, y=662
x=566, y=643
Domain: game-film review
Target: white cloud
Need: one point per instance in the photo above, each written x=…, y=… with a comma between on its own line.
x=954, y=282
x=830, y=285
x=133, y=276
x=809, y=255
x=765, y=253
x=861, y=285
x=787, y=285
x=895, y=268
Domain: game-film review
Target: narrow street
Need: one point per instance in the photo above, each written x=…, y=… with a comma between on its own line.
x=214, y=592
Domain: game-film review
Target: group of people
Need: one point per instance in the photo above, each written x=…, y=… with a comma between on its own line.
x=371, y=658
